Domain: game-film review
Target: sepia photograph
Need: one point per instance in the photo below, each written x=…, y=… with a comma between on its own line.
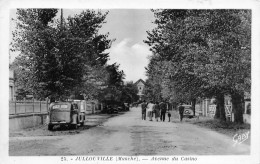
x=123, y=84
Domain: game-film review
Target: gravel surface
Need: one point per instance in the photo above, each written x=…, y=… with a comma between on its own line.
x=126, y=134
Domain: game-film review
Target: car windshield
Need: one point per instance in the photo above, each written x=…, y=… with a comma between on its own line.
x=187, y=107
x=62, y=106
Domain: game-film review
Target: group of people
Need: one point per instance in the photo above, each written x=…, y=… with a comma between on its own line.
x=157, y=109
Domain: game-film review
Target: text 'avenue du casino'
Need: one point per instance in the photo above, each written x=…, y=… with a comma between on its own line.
x=128, y=158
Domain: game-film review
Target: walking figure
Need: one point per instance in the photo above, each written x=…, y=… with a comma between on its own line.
x=169, y=116
x=150, y=110
x=144, y=106
x=169, y=113
x=163, y=108
x=181, y=110
x=156, y=109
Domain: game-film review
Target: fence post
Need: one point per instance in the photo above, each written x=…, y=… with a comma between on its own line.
x=14, y=106
x=40, y=106
x=24, y=104
x=33, y=105
x=47, y=104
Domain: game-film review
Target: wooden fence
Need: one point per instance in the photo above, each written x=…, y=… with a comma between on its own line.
x=28, y=106
x=228, y=111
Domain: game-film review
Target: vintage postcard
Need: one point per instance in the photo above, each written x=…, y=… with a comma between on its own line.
x=130, y=81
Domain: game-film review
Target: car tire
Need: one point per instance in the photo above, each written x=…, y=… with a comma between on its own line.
x=50, y=127
x=74, y=126
x=82, y=124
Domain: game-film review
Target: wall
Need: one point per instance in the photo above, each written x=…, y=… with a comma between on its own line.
x=246, y=115
x=247, y=118
x=18, y=122
x=11, y=85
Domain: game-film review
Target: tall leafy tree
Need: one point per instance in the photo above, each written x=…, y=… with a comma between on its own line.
x=86, y=47
x=34, y=39
x=61, y=56
x=114, y=84
x=129, y=93
x=203, y=55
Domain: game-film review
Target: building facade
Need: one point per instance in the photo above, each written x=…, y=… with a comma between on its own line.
x=140, y=84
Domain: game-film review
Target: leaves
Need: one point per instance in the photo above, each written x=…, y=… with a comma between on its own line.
x=199, y=53
x=59, y=57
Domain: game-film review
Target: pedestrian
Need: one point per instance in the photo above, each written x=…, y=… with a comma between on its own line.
x=163, y=108
x=169, y=116
x=181, y=110
x=156, y=109
x=150, y=110
x=144, y=106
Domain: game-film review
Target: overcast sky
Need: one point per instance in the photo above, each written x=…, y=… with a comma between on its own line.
x=128, y=27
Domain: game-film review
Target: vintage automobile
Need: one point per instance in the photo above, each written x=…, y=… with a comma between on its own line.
x=122, y=107
x=63, y=113
x=188, y=112
x=112, y=108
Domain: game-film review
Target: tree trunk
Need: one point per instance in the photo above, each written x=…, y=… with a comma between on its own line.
x=237, y=107
x=217, y=113
x=193, y=102
x=220, y=109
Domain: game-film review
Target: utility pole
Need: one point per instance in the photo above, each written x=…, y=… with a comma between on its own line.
x=61, y=17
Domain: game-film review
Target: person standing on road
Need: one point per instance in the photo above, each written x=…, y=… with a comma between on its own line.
x=163, y=108
x=168, y=111
x=150, y=110
x=156, y=109
x=181, y=110
x=169, y=115
x=144, y=106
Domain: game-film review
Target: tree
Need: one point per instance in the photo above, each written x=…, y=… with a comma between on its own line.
x=30, y=40
x=60, y=57
x=200, y=51
x=129, y=93
x=88, y=48
x=114, y=83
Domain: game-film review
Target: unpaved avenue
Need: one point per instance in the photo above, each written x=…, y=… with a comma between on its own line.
x=127, y=134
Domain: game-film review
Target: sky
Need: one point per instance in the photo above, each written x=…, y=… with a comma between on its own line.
x=128, y=27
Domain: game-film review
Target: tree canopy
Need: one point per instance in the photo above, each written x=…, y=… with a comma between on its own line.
x=200, y=53
x=60, y=58
x=66, y=58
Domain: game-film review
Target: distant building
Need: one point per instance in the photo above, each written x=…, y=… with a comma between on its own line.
x=11, y=86
x=140, y=84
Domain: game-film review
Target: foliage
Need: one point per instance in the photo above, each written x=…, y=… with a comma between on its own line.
x=115, y=75
x=60, y=58
x=129, y=93
x=199, y=53
x=114, y=83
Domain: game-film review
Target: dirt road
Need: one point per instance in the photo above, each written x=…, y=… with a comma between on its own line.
x=127, y=134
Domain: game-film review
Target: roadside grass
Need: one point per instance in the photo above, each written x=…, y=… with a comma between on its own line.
x=224, y=127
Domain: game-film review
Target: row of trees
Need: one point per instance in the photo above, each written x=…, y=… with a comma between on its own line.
x=64, y=58
x=198, y=54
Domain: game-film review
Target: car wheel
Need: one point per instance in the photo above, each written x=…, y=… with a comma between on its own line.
x=82, y=123
x=50, y=127
x=74, y=126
